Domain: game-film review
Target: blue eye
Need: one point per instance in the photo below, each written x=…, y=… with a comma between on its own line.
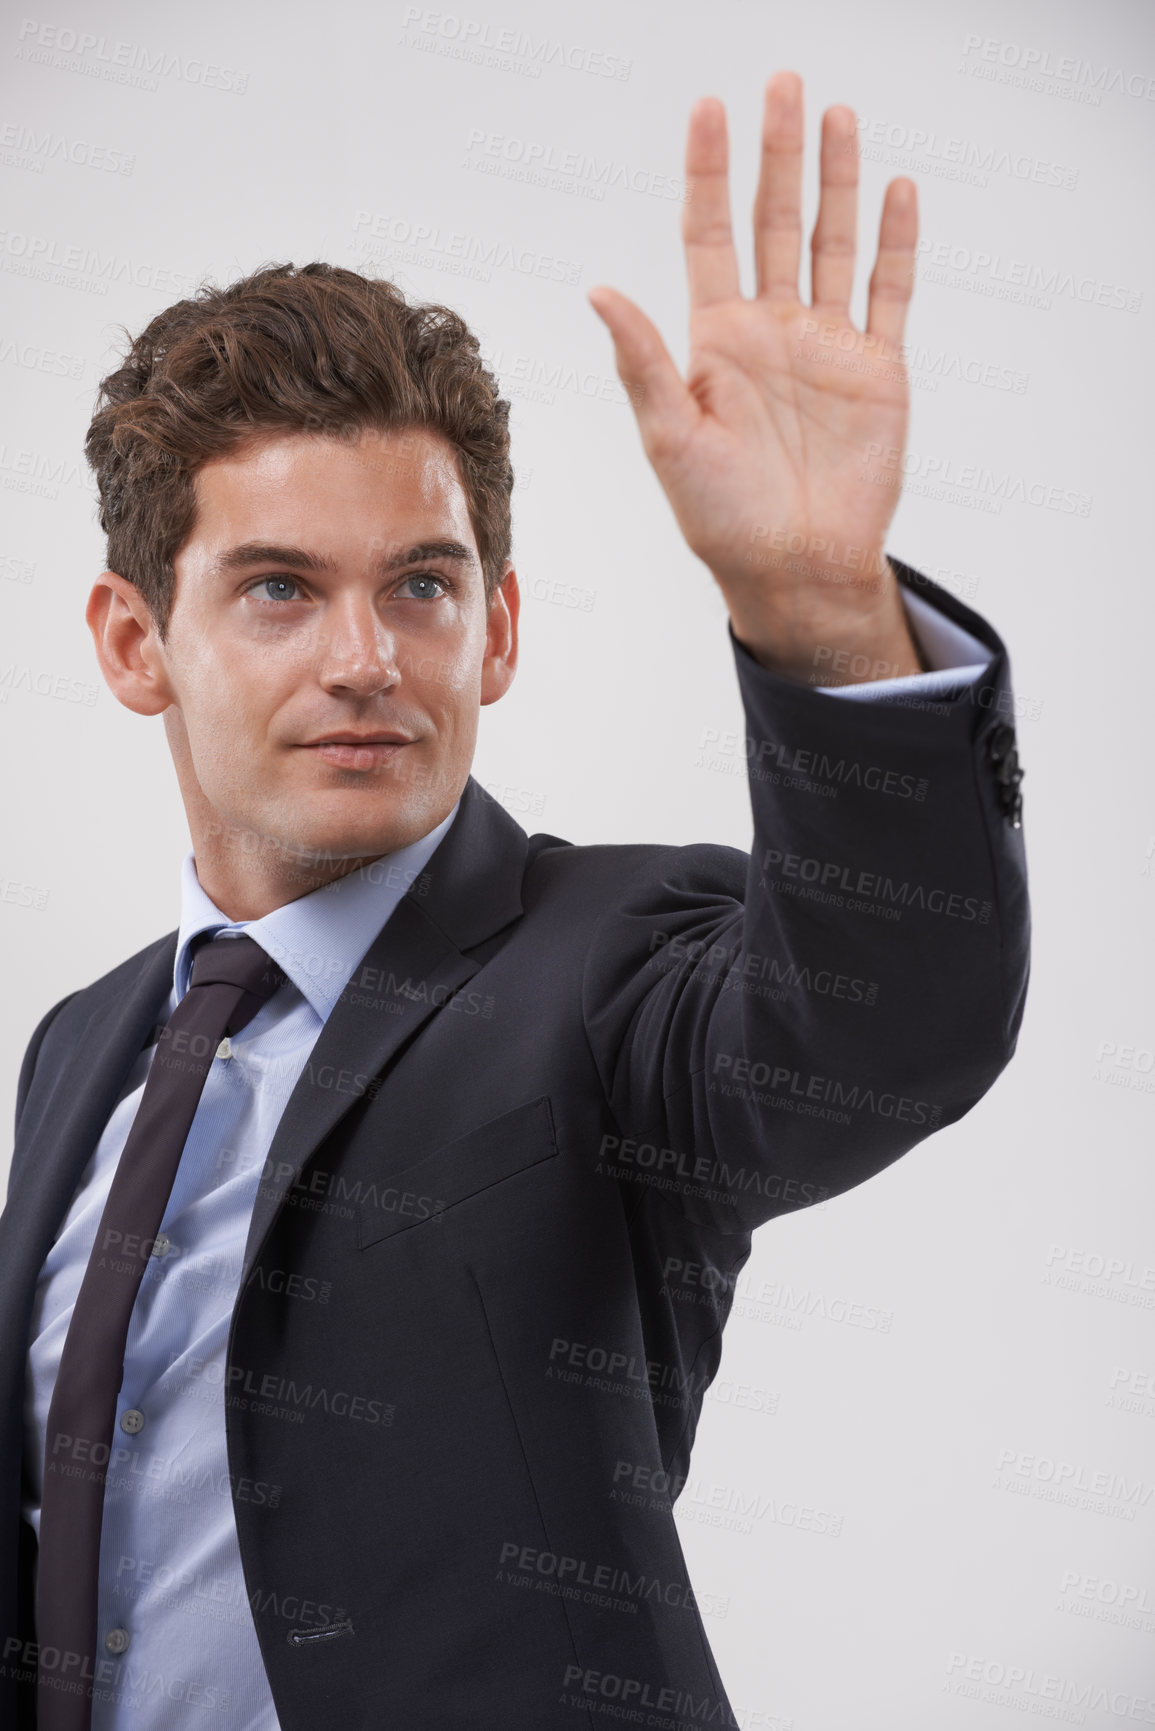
x=279, y=582
x=427, y=577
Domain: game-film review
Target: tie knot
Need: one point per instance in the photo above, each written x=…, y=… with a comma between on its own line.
x=237, y=961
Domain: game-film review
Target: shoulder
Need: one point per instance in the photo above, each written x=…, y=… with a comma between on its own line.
x=61, y=1026
x=618, y=874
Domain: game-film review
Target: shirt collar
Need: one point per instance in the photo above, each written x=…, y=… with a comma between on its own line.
x=319, y=938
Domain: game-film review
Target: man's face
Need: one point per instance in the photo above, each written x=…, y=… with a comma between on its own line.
x=305, y=608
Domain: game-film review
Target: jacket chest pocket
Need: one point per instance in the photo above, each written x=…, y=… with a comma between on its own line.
x=455, y=1172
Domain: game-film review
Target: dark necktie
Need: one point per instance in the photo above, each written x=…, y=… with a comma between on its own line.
x=231, y=979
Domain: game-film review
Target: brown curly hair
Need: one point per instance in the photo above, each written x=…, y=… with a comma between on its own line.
x=320, y=349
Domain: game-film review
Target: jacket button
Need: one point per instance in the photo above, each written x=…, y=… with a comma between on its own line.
x=999, y=742
x=1003, y=754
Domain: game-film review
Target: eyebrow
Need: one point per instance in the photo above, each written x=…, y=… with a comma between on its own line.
x=249, y=553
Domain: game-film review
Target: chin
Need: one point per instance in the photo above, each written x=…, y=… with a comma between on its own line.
x=361, y=843
x=354, y=822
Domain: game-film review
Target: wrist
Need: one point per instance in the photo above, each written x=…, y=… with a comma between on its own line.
x=828, y=628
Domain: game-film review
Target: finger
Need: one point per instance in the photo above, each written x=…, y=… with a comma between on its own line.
x=892, y=280
x=778, y=200
x=835, y=232
x=711, y=264
x=665, y=410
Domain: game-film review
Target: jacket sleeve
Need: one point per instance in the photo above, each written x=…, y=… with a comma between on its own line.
x=773, y=1029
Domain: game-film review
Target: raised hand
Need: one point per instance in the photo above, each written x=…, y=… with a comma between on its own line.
x=769, y=449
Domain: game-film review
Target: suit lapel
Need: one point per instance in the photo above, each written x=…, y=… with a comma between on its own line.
x=469, y=890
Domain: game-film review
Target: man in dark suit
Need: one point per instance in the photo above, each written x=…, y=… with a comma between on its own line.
x=419, y=1349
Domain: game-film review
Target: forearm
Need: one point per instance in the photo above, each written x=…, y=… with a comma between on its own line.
x=878, y=988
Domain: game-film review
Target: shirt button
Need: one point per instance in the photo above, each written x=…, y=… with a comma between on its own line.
x=224, y=1050
x=117, y=1640
x=132, y=1420
x=161, y=1244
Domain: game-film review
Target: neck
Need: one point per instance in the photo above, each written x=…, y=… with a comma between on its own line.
x=245, y=889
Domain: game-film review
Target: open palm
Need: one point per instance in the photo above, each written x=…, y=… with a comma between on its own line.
x=768, y=450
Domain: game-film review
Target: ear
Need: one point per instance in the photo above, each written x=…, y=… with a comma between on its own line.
x=500, y=664
x=128, y=645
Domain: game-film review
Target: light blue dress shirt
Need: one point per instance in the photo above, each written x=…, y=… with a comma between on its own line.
x=178, y=1644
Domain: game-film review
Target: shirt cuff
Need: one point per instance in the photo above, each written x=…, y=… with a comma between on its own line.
x=956, y=658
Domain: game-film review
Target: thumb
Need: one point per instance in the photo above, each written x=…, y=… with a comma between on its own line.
x=665, y=411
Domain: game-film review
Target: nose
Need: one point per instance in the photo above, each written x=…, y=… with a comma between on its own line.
x=357, y=653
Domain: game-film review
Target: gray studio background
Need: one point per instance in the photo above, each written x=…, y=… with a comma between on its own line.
x=924, y=1487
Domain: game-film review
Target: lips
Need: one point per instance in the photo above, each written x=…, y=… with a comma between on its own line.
x=360, y=739
x=357, y=750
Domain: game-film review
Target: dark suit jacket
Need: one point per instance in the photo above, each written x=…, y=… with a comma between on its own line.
x=562, y=1077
